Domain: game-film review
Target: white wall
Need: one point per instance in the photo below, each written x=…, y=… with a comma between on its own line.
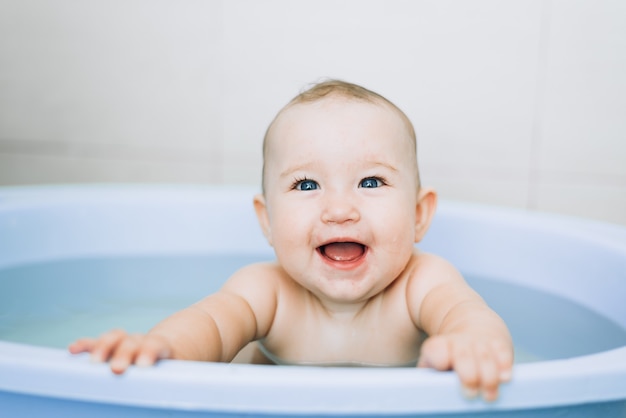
x=519, y=103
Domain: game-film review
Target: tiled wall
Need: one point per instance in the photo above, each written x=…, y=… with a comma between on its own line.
x=518, y=103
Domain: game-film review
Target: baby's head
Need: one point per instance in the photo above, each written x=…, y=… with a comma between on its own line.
x=342, y=204
x=338, y=90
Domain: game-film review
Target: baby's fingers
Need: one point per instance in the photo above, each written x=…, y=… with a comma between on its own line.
x=466, y=366
x=479, y=370
x=152, y=350
x=504, y=358
x=140, y=350
x=125, y=354
x=489, y=373
x=122, y=350
x=106, y=345
x=82, y=345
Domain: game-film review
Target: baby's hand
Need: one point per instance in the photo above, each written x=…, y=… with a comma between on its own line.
x=122, y=349
x=481, y=362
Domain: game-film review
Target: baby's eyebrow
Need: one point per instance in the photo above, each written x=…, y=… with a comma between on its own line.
x=376, y=164
x=296, y=167
x=307, y=166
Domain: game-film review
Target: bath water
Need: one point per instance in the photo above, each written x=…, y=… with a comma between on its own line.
x=53, y=303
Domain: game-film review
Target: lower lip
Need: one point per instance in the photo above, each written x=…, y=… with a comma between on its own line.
x=344, y=265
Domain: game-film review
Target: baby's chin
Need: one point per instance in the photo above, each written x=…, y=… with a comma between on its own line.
x=344, y=291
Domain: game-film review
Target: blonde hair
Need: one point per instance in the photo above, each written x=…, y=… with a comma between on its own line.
x=342, y=89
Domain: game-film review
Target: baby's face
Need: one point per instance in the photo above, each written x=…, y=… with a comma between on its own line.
x=341, y=197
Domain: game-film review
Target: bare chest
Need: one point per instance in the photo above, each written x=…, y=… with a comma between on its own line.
x=371, y=339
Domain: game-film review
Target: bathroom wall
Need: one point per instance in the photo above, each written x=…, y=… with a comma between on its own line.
x=518, y=103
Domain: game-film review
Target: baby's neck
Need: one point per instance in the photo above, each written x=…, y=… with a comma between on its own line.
x=343, y=311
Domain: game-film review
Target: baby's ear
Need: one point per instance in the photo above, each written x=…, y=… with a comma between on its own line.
x=260, y=207
x=425, y=210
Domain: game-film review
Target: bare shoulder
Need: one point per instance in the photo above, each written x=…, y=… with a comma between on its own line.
x=255, y=278
x=267, y=290
x=431, y=269
x=261, y=282
x=250, y=295
x=264, y=269
x=428, y=272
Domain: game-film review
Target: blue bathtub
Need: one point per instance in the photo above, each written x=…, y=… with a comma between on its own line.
x=576, y=373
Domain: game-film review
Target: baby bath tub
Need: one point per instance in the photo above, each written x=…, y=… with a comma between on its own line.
x=75, y=260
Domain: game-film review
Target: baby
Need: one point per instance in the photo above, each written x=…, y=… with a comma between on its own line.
x=343, y=207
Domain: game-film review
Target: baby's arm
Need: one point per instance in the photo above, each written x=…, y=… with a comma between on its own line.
x=213, y=329
x=465, y=334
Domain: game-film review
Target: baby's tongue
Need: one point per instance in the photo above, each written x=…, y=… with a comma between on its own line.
x=343, y=251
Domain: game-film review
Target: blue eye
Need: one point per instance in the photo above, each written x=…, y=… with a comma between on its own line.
x=370, y=183
x=306, y=185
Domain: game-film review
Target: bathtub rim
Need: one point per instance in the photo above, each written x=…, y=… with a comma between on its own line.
x=175, y=384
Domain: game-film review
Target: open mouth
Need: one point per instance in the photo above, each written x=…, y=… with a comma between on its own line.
x=343, y=251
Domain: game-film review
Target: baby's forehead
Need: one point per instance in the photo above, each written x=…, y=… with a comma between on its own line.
x=302, y=104
x=301, y=125
x=299, y=119
x=329, y=102
x=300, y=112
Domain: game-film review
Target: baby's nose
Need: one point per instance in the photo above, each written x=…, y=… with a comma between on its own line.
x=340, y=208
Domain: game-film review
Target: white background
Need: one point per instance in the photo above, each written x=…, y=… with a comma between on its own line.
x=518, y=103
